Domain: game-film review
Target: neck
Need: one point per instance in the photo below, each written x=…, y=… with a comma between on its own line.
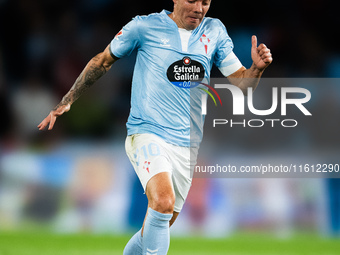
x=174, y=18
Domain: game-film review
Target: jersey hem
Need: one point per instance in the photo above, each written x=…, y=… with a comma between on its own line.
x=177, y=142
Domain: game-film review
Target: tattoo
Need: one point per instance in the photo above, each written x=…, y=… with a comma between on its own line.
x=91, y=73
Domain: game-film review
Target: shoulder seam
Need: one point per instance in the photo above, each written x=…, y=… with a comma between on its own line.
x=138, y=33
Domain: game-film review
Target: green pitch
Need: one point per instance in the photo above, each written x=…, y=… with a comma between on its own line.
x=242, y=244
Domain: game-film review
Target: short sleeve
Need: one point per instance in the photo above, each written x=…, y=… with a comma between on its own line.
x=225, y=59
x=126, y=40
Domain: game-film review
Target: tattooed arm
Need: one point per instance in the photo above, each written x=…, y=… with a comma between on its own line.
x=95, y=69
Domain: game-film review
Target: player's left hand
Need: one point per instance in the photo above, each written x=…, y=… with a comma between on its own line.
x=260, y=55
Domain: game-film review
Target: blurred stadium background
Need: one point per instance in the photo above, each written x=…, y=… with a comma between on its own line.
x=77, y=179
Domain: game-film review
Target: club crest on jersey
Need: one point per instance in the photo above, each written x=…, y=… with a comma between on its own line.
x=205, y=40
x=119, y=34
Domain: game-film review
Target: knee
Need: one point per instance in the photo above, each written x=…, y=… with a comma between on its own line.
x=163, y=204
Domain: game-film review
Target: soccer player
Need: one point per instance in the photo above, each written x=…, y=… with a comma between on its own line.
x=171, y=47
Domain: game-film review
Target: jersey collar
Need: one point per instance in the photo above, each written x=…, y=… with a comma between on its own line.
x=173, y=23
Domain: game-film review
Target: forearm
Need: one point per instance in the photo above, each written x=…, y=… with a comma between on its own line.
x=250, y=78
x=95, y=69
x=91, y=73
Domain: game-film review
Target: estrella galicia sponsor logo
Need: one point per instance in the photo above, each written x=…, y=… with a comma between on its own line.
x=186, y=73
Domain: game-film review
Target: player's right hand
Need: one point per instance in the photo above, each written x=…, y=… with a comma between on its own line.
x=52, y=117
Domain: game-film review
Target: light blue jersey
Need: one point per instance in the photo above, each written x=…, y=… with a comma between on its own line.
x=165, y=99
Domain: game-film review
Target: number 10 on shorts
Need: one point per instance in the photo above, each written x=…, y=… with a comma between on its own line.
x=146, y=151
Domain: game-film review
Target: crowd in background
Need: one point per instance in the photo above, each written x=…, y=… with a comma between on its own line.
x=45, y=44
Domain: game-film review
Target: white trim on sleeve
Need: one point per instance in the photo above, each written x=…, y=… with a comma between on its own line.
x=230, y=64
